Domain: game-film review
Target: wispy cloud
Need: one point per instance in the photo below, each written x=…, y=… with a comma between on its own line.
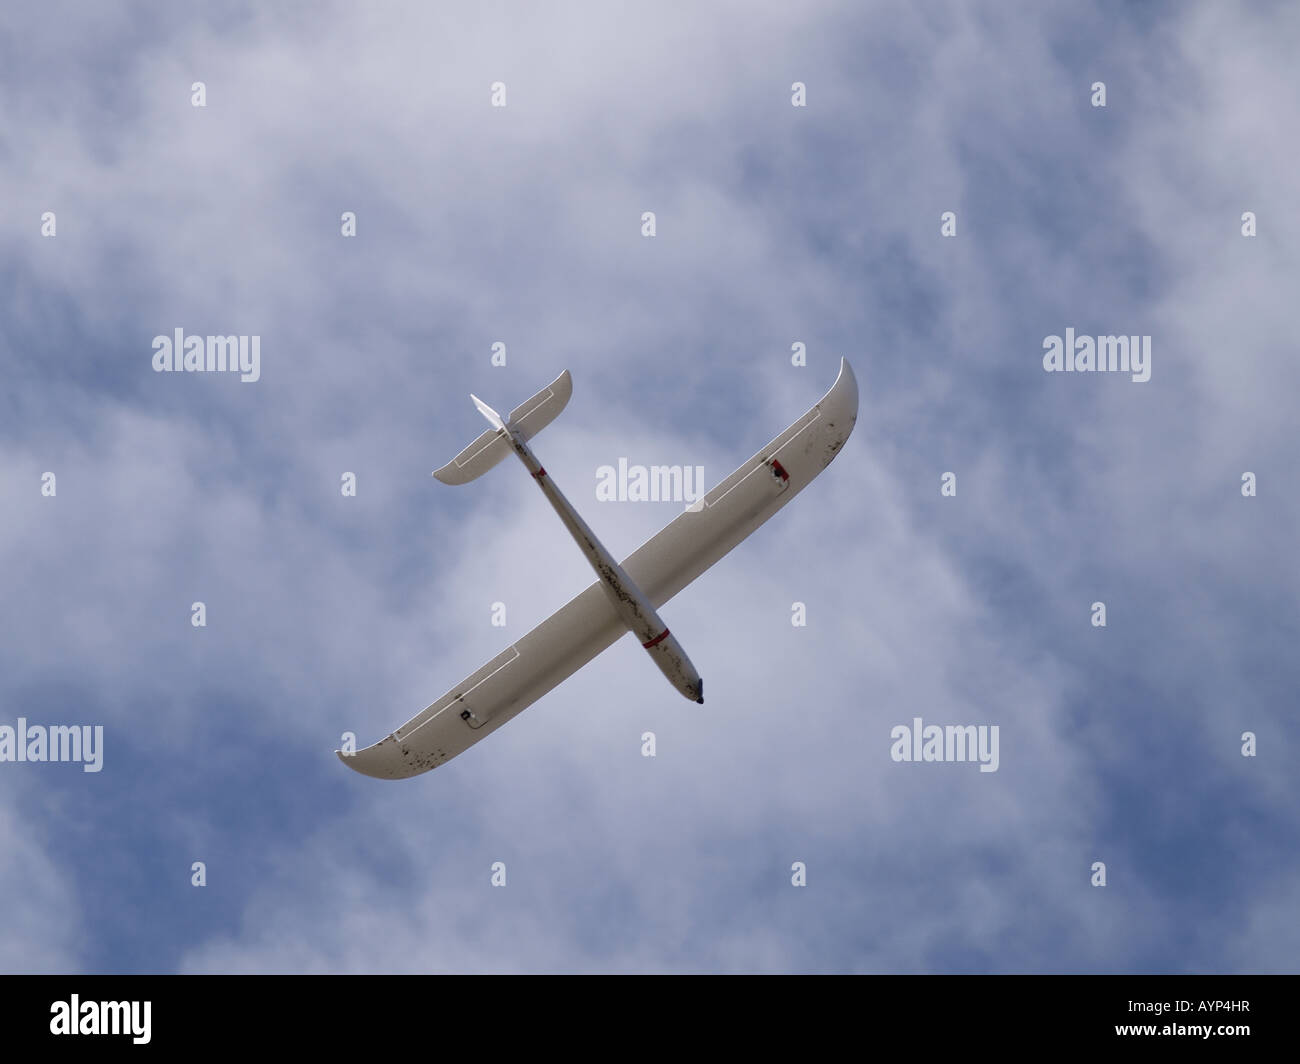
x=776, y=225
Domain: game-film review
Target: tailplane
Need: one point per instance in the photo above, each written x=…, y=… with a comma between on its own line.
x=527, y=419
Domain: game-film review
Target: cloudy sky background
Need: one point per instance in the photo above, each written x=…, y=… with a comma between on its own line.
x=775, y=225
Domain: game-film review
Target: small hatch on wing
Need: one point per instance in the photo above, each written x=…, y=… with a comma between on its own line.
x=469, y=716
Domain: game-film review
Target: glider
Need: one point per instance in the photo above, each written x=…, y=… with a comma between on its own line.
x=625, y=597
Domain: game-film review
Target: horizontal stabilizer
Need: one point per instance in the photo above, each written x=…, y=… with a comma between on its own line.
x=533, y=415
x=476, y=459
x=527, y=419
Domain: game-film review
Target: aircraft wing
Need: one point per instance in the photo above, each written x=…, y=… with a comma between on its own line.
x=661, y=567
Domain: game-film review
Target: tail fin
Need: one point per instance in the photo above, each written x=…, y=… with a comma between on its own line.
x=527, y=419
x=493, y=418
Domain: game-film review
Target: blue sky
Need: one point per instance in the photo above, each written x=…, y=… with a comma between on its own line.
x=775, y=225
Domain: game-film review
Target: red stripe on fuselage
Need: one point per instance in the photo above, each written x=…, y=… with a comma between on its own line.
x=657, y=639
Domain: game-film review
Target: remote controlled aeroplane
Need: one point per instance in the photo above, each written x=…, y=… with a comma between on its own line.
x=626, y=597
